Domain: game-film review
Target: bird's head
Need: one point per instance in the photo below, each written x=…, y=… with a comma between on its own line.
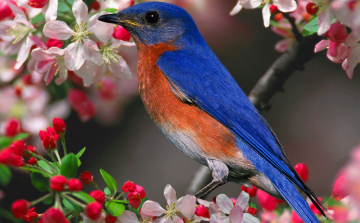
x=155, y=22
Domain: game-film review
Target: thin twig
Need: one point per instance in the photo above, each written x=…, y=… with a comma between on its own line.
x=295, y=30
x=270, y=83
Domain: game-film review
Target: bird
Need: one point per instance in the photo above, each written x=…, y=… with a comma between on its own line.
x=199, y=106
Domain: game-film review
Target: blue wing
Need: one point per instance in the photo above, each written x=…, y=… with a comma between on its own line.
x=201, y=77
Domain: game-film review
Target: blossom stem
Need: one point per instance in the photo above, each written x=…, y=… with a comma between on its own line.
x=75, y=201
x=96, y=186
x=120, y=195
x=57, y=155
x=295, y=30
x=45, y=160
x=63, y=144
x=33, y=203
x=53, y=158
x=58, y=202
x=41, y=169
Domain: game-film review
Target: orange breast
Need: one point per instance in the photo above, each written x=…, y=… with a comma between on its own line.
x=174, y=116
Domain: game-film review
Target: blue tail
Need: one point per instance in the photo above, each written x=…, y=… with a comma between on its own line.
x=290, y=193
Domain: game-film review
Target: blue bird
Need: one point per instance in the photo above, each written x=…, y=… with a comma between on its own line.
x=198, y=105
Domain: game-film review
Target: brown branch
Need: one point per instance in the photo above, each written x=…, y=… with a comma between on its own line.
x=295, y=30
x=270, y=83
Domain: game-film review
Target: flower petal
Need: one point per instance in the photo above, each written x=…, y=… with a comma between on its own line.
x=283, y=45
x=50, y=75
x=57, y=30
x=92, y=53
x=224, y=203
x=250, y=4
x=248, y=218
x=170, y=194
x=340, y=53
x=152, y=208
x=219, y=219
x=285, y=5
x=353, y=59
x=204, y=202
x=122, y=70
x=128, y=217
x=325, y=18
x=102, y=30
x=322, y=45
x=24, y=52
x=89, y=71
x=236, y=9
x=187, y=206
x=243, y=200
x=236, y=214
x=43, y=66
x=74, y=56
x=266, y=14
x=352, y=39
x=80, y=11
x=40, y=54
x=15, y=9
x=51, y=11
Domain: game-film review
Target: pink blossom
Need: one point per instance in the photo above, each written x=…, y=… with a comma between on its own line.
x=325, y=16
x=225, y=211
x=282, y=5
x=237, y=8
x=184, y=205
x=353, y=56
x=347, y=12
x=284, y=30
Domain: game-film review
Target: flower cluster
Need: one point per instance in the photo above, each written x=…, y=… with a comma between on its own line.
x=307, y=17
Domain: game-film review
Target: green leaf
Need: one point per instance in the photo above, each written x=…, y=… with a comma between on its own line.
x=115, y=209
x=62, y=7
x=110, y=10
x=48, y=200
x=312, y=26
x=59, y=91
x=71, y=205
x=109, y=180
x=121, y=201
x=107, y=191
x=5, y=175
x=45, y=166
x=253, y=205
x=307, y=33
x=83, y=196
x=35, y=170
x=78, y=155
x=40, y=182
x=20, y=136
x=39, y=18
x=69, y=166
x=5, y=142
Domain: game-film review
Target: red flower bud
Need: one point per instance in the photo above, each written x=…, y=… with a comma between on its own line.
x=251, y=210
x=37, y=3
x=233, y=200
x=31, y=215
x=312, y=8
x=59, y=125
x=54, y=43
x=17, y=161
x=57, y=183
x=251, y=192
x=214, y=199
x=93, y=210
x=27, y=79
x=13, y=126
x=273, y=9
x=98, y=195
x=295, y=218
x=128, y=187
x=337, y=33
x=134, y=199
x=75, y=185
x=5, y=10
x=75, y=78
x=95, y=5
x=352, y=5
x=32, y=161
x=267, y=201
x=86, y=177
x=303, y=171
x=140, y=190
x=202, y=211
x=49, y=138
x=81, y=104
x=121, y=33
x=32, y=149
x=110, y=219
x=339, y=190
x=18, y=147
x=53, y=215
x=19, y=208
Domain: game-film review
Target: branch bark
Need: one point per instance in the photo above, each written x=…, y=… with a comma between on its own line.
x=270, y=83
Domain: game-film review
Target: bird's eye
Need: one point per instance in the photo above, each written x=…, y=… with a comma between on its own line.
x=152, y=17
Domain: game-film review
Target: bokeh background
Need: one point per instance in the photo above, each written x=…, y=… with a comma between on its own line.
x=316, y=118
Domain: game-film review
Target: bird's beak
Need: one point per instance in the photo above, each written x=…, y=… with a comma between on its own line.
x=118, y=19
